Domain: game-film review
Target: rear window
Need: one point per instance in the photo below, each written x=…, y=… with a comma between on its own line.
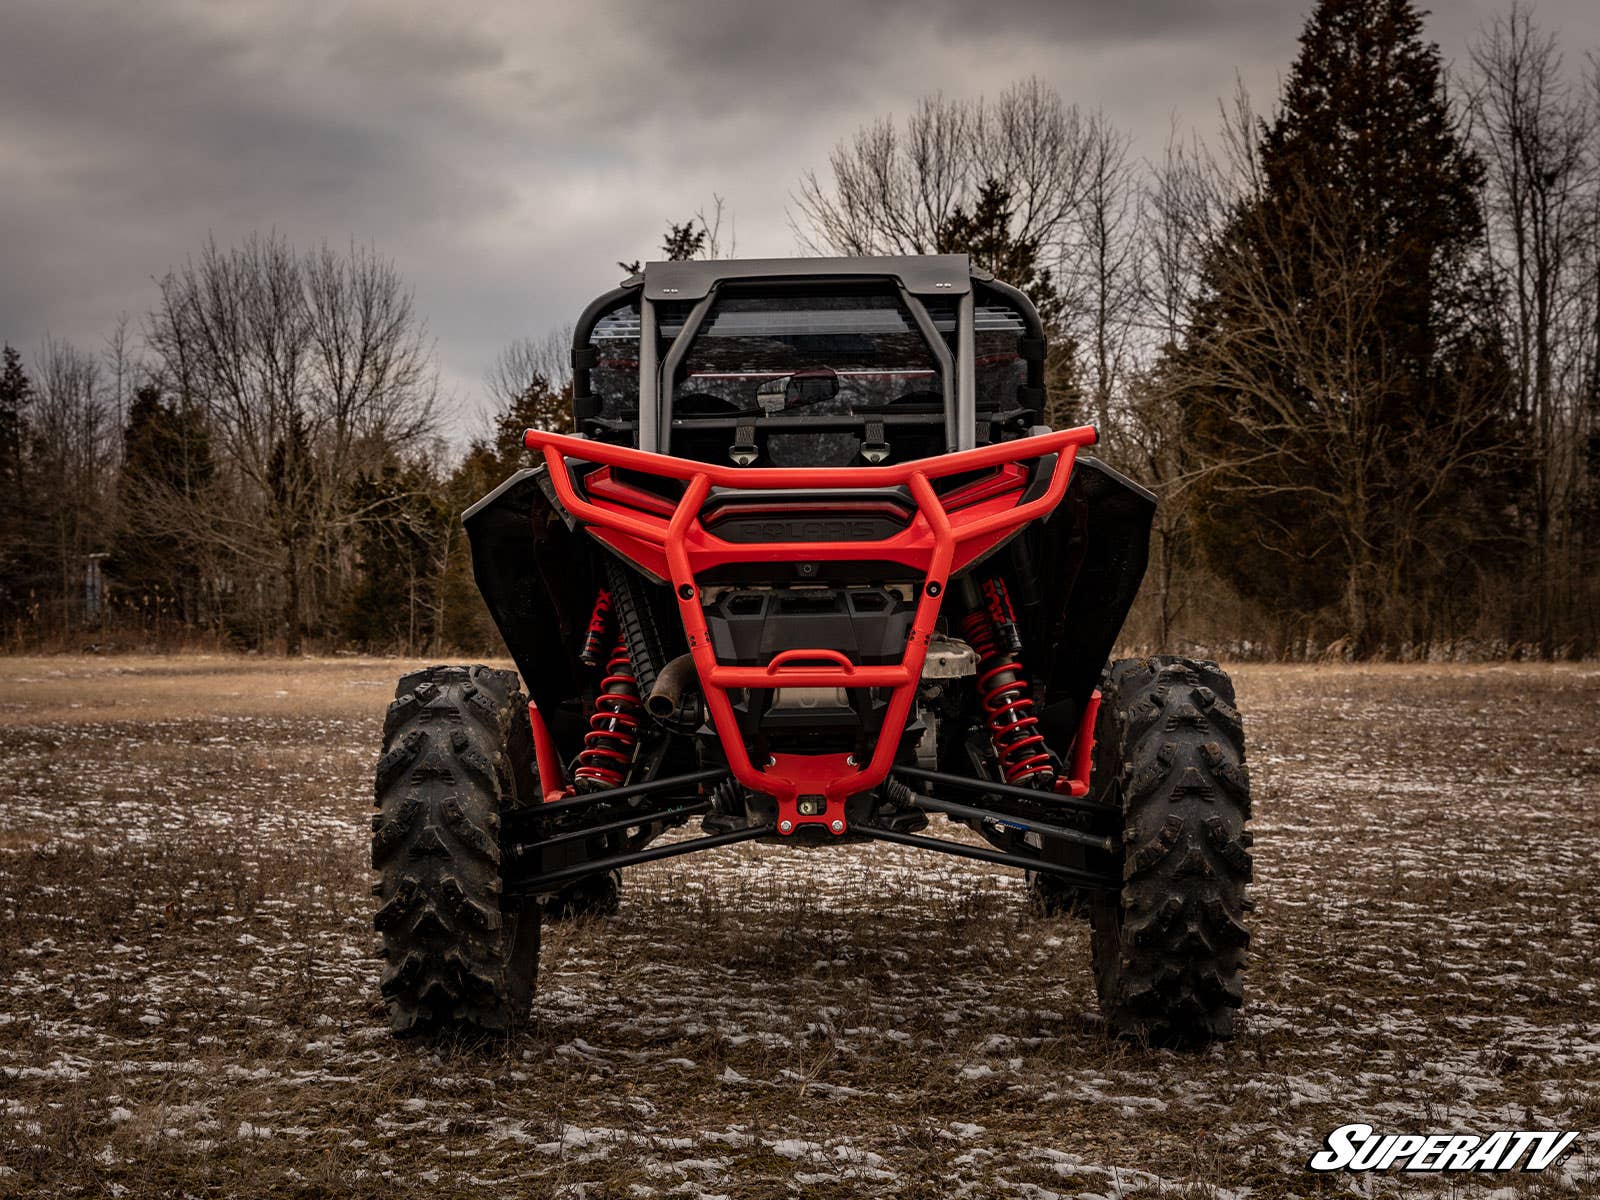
x=867, y=341
x=614, y=379
x=999, y=368
x=865, y=337
x=870, y=341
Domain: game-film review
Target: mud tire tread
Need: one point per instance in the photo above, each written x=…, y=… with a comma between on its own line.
x=457, y=751
x=1169, y=949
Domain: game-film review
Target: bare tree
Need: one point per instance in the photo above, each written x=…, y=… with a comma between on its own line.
x=123, y=367
x=372, y=378
x=1538, y=134
x=1100, y=267
x=530, y=382
x=893, y=190
x=70, y=461
x=710, y=225
x=1181, y=212
x=310, y=370
x=533, y=363
x=1181, y=207
x=1584, y=559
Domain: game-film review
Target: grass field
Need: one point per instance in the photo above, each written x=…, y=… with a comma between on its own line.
x=188, y=1002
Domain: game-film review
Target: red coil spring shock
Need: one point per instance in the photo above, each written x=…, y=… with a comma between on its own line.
x=613, y=728
x=1004, y=692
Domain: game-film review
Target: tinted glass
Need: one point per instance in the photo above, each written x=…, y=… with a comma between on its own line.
x=998, y=332
x=868, y=341
x=614, y=379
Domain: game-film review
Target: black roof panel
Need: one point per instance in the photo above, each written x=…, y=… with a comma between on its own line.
x=921, y=274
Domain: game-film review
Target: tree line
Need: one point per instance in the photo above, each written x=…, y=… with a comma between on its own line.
x=1354, y=344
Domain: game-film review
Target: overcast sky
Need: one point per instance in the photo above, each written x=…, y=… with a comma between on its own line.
x=507, y=154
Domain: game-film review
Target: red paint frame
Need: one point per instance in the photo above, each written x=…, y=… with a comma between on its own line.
x=1077, y=783
x=552, y=778
x=940, y=539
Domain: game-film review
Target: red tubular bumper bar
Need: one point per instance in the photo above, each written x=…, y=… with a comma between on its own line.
x=937, y=542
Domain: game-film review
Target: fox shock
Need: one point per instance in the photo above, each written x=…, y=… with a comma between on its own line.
x=613, y=727
x=594, y=638
x=990, y=628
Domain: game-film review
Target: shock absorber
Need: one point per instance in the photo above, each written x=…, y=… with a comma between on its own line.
x=613, y=727
x=594, y=638
x=990, y=628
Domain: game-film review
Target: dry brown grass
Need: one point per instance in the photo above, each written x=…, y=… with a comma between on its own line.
x=75, y=689
x=187, y=1000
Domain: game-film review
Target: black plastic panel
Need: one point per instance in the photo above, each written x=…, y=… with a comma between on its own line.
x=870, y=625
x=538, y=580
x=1093, y=550
x=921, y=275
x=750, y=522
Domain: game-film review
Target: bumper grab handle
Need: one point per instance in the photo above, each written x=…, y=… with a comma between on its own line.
x=781, y=660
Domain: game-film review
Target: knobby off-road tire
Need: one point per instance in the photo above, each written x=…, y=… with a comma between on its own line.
x=457, y=752
x=1170, y=948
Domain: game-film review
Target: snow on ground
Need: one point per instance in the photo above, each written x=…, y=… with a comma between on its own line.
x=188, y=1000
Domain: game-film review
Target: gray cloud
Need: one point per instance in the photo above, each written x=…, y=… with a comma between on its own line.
x=507, y=154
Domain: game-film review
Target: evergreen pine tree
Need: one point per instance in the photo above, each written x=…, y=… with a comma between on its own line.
x=398, y=543
x=166, y=458
x=16, y=392
x=1342, y=375
x=985, y=235
x=539, y=406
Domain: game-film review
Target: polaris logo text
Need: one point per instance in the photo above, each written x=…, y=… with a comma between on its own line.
x=815, y=531
x=1359, y=1148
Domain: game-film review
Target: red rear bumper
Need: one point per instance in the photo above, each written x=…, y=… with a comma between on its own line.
x=943, y=536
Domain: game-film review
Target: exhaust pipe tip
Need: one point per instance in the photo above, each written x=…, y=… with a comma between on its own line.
x=664, y=698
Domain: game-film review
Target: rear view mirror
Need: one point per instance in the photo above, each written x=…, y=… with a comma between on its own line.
x=812, y=387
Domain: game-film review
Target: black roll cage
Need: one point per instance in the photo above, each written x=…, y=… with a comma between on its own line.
x=914, y=278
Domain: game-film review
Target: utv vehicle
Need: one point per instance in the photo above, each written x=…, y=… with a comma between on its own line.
x=812, y=572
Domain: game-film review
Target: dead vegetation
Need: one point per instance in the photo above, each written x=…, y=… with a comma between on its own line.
x=188, y=1007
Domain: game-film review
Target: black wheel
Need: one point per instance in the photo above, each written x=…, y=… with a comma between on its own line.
x=592, y=896
x=1170, y=948
x=457, y=752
